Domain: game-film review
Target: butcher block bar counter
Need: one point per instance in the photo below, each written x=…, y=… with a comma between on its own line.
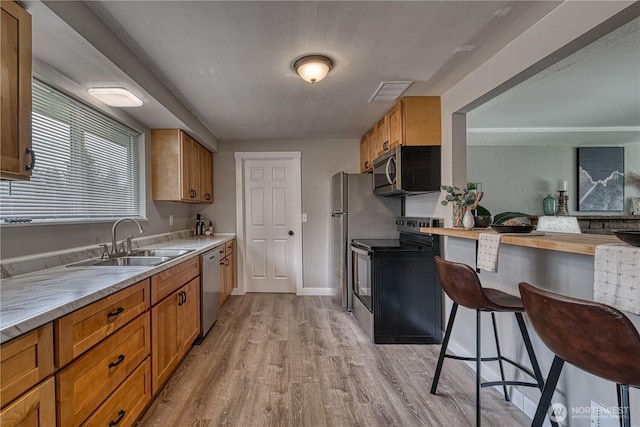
x=562, y=263
x=584, y=244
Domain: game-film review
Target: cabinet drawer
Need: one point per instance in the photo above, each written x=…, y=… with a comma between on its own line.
x=167, y=282
x=77, y=332
x=221, y=250
x=126, y=404
x=35, y=408
x=89, y=380
x=25, y=361
x=229, y=247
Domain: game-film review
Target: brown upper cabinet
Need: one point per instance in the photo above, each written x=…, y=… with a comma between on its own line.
x=414, y=120
x=182, y=169
x=16, y=156
x=366, y=152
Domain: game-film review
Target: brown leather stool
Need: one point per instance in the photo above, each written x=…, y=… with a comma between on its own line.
x=462, y=285
x=593, y=337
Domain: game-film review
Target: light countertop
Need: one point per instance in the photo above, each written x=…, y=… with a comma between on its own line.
x=31, y=300
x=584, y=244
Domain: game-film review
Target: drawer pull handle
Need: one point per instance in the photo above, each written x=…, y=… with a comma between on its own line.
x=117, y=420
x=120, y=360
x=115, y=313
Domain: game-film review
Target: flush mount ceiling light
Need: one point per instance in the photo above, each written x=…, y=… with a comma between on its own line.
x=115, y=96
x=313, y=68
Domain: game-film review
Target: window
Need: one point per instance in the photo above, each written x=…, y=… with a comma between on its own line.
x=87, y=164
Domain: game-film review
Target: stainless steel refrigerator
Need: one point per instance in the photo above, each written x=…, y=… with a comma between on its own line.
x=356, y=213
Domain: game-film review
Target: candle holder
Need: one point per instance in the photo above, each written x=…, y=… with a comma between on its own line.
x=563, y=201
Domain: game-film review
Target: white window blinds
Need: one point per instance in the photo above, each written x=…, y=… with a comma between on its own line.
x=87, y=165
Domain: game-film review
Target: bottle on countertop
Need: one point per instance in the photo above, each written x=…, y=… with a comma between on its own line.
x=211, y=227
x=196, y=228
x=202, y=227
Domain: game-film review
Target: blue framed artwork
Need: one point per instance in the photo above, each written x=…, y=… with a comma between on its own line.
x=600, y=179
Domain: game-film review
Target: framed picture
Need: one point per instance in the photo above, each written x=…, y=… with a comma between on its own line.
x=601, y=179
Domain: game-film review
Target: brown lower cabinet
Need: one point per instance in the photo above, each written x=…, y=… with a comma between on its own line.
x=37, y=407
x=89, y=380
x=176, y=324
x=109, y=359
x=125, y=405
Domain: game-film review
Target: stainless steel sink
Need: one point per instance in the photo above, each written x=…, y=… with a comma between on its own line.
x=160, y=252
x=139, y=258
x=125, y=261
x=133, y=261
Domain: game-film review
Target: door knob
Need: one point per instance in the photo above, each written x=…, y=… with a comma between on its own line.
x=290, y=233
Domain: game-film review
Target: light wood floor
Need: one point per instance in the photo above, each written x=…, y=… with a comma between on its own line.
x=282, y=360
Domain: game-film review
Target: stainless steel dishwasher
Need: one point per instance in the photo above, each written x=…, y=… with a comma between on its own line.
x=210, y=290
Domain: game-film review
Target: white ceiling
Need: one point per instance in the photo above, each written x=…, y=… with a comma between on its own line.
x=229, y=63
x=593, y=92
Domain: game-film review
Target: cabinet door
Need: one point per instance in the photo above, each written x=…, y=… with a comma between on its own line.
x=365, y=154
x=189, y=315
x=164, y=341
x=25, y=361
x=382, y=136
x=396, y=126
x=35, y=408
x=231, y=273
x=190, y=168
x=15, y=92
x=223, y=281
x=206, y=175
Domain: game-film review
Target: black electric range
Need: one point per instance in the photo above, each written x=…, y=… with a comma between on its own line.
x=398, y=298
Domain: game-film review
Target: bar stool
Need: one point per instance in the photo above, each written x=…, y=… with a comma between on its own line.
x=594, y=337
x=462, y=285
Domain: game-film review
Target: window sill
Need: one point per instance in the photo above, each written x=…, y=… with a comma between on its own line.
x=56, y=222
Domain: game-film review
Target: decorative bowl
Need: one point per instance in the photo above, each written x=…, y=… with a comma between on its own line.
x=631, y=237
x=524, y=228
x=483, y=221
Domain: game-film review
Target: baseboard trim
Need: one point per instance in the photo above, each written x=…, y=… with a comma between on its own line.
x=324, y=292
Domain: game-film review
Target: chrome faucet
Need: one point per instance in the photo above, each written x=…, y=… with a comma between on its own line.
x=113, y=233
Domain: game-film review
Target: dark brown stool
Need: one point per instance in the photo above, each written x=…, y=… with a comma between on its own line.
x=593, y=337
x=462, y=285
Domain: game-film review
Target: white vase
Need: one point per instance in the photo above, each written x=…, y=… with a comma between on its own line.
x=467, y=220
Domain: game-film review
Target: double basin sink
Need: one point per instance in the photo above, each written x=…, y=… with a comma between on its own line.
x=138, y=258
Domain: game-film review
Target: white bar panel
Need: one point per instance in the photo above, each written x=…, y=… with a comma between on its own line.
x=280, y=258
x=257, y=207
x=259, y=258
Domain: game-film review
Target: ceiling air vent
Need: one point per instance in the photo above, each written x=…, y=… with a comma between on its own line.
x=389, y=91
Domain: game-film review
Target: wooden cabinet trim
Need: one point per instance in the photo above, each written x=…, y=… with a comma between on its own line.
x=25, y=361
x=36, y=407
x=77, y=332
x=90, y=379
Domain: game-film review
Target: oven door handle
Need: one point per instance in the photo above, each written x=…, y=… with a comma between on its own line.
x=359, y=250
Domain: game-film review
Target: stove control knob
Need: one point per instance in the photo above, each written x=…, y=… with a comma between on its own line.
x=411, y=223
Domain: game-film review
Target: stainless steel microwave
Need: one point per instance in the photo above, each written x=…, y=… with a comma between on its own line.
x=406, y=170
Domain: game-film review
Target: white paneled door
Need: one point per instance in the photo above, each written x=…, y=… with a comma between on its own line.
x=271, y=223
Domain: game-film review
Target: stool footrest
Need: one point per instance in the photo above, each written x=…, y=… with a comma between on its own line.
x=495, y=359
x=496, y=383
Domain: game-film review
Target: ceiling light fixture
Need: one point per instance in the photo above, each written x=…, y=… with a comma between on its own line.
x=313, y=68
x=115, y=96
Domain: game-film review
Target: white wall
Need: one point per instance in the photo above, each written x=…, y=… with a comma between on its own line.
x=320, y=160
x=510, y=187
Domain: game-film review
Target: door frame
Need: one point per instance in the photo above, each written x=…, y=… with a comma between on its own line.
x=294, y=157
